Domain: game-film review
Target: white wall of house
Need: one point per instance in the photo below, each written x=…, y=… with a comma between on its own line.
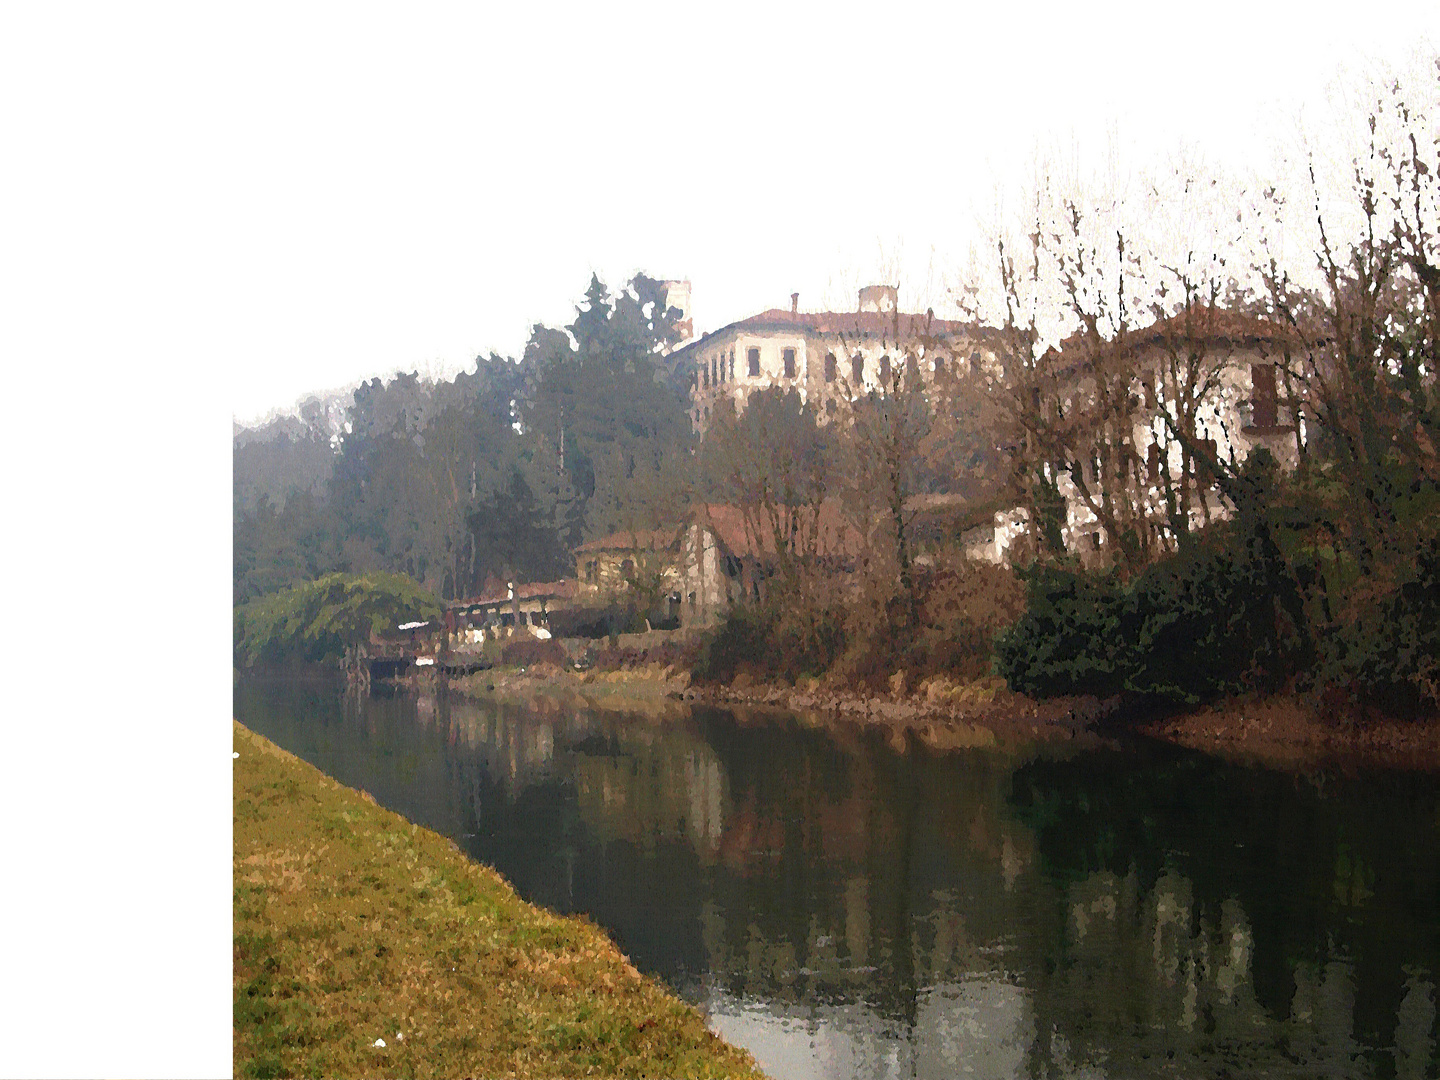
x=712, y=365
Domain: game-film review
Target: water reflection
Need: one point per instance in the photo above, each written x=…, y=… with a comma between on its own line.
x=844, y=909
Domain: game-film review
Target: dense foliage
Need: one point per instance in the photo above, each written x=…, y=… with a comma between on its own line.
x=319, y=620
x=1258, y=603
x=493, y=475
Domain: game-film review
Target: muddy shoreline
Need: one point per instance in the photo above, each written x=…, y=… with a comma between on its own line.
x=1280, y=732
x=1287, y=733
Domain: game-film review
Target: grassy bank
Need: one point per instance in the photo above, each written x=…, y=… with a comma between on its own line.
x=354, y=926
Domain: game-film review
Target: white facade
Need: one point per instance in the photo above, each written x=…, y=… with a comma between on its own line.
x=824, y=356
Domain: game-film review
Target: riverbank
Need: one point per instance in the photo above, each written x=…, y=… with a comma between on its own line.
x=1286, y=733
x=1280, y=732
x=943, y=715
x=368, y=946
x=651, y=689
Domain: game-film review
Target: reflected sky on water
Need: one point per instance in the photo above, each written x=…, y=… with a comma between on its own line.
x=842, y=908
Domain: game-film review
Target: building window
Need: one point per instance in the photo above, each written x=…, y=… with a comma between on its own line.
x=829, y=367
x=752, y=360
x=857, y=370
x=789, y=357
x=885, y=371
x=704, y=377
x=732, y=365
x=1263, y=396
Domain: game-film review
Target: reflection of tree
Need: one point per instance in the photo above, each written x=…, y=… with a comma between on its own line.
x=1097, y=909
x=1222, y=907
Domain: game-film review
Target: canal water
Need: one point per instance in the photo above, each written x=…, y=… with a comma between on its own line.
x=845, y=908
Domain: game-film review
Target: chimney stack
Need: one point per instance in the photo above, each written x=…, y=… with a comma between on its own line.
x=794, y=303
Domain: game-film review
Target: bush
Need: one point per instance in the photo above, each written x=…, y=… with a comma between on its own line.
x=1068, y=641
x=964, y=605
x=1217, y=618
x=771, y=640
x=528, y=651
x=1386, y=657
x=1211, y=622
x=595, y=622
x=319, y=620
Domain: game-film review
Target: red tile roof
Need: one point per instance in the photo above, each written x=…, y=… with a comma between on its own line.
x=855, y=322
x=850, y=324
x=836, y=535
x=1217, y=324
x=634, y=540
x=1201, y=323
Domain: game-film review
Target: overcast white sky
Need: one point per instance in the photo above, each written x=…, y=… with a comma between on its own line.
x=409, y=191
x=349, y=190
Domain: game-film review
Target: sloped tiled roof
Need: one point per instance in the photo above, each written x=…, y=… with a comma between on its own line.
x=1203, y=324
x=836, y=535
x=848, y=324
x=634, y=540
x=1217, y=324
x=855, y=322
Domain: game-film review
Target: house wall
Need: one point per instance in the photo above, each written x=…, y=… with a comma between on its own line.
x=702, y=592
x=609, y=575
x=1225, y=418
x=712, y=365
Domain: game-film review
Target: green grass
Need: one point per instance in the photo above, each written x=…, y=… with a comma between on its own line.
x=352, y=925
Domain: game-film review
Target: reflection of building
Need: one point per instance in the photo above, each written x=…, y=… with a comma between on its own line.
x=824, y=355
x=642, y=792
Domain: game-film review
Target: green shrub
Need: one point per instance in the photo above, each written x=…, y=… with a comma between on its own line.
x=1068, y=641
x=1217, y=618
x=771, y=640
x=1386, y=657
x=319, y=620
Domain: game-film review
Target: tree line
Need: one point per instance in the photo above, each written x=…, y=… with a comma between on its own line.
x=1109, y=318
x=497, y=473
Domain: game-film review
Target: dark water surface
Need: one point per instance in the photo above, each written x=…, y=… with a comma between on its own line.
x=844, y=909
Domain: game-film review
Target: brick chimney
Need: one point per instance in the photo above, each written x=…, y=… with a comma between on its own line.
x=794, y=303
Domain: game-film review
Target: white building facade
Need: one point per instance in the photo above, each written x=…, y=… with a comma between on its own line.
x=824, y=356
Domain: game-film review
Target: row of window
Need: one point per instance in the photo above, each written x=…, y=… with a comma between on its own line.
x=714, y=372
